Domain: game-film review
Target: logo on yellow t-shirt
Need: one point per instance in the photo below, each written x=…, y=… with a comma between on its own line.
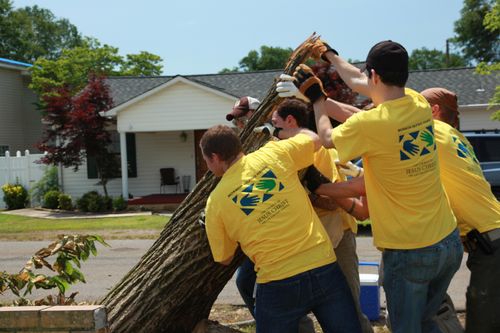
x=414, y=143
x=463, y=150
x=258, y=191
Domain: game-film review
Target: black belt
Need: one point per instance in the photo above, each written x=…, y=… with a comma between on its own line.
x=488, y=241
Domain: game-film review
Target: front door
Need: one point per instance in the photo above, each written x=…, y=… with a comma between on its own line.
x=201, y=166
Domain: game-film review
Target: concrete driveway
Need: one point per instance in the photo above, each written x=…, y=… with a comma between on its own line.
x=111, y=264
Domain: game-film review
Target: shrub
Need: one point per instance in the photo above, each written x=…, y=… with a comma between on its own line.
x=93, y=202
x=119, y=204
x=107, y=203
x=15, y=196
x=51, y=199
x=65, y=202
x=48, y=182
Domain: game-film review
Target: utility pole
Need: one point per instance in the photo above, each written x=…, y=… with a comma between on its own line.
x=447, y=53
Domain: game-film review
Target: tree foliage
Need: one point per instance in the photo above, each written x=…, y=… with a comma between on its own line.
x=269, y=58
x=70, y=251
x=422, y=59
x=492, y=23
x=75, y=130
x=72, y=68
x=477, y=42
x=32, y=32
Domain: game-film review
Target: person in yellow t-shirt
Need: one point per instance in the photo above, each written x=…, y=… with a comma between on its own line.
x=339, y=225
x=411, y=218
x=260, y=205
x=476, y=208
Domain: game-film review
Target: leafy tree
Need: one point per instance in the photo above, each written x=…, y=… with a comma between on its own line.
x=71, y=69
x=477, y=42
x=492, y=23
x=142, y=64
x=32, y=32
x=269, y=58
x=421, y=59
x=75, y=130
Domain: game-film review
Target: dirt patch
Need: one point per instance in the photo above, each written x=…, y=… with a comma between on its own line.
x=238, y=317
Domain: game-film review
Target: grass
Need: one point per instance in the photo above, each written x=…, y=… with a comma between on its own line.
x=14, y=226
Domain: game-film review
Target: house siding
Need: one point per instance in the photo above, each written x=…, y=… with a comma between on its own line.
x=154, y=151
x=11, y=110
x=477, y=118
x=178, y=107
x=20, y=121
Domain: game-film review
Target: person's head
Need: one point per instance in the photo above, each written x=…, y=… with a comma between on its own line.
x=220, y=146
x=242, y=110
x=291, y=113
x=444, y=104
x=389, y=60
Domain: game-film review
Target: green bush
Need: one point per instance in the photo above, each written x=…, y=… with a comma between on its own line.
x=65, y=202
x=51, y=199
x=49, y=182
x=119, y=204
x=107, y=203
x=15, y=196
x=94, y=202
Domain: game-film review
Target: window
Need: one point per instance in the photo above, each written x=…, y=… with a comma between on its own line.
x=115, y=148
x=3, y=149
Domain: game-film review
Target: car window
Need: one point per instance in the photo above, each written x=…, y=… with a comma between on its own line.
x=487, y=148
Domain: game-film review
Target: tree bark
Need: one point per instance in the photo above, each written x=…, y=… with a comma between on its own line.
x=175, y=284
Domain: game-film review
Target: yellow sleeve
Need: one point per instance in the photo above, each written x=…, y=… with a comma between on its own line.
x=300, y=150
x=221, y=245
x=349, y=138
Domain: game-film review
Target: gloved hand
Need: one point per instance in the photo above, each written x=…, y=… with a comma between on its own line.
x=309, y=85
x=201, y=219
x=268, y=129
x=319, y=50
x=286, y=88
x=349, y=169
x=313, y=179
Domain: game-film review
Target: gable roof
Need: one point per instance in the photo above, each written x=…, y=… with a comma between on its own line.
x=471, y=88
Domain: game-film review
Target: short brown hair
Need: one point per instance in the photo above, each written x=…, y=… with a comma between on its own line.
x=221, y=140
x=295, y=108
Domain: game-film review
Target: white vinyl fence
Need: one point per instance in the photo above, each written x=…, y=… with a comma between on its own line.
x=20, y=169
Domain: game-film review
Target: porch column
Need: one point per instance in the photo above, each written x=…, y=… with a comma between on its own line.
x=124, y=164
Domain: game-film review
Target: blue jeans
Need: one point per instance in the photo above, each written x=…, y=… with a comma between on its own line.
x=323, y=290
x=245, y=282
x=415, y=283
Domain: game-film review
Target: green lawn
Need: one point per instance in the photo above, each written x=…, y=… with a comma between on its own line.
x=10, y=224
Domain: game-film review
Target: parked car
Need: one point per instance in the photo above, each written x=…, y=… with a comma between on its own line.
x=487, y=148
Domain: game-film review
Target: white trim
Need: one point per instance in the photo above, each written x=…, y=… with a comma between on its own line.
x=470, y=106
x=124, y=164
x=177, y=79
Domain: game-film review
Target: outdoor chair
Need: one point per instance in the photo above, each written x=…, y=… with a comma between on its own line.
x=168, y=178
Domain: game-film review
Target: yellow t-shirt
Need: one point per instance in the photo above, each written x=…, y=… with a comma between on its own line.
x=261, y=204
x=470, y=195
x=408, y=205
x=324, y=161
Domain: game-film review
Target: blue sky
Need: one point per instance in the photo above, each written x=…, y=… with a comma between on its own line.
x=202, y=37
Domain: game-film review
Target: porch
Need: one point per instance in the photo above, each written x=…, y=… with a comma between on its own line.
x=157, y=202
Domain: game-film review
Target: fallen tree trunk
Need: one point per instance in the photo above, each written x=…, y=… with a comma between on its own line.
x=175, y=284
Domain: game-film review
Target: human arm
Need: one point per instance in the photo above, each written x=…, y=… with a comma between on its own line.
x=286, y=133
x=354, y=187
x=357, y=207
x=352, y=76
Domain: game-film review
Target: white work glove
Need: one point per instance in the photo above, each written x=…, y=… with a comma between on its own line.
x=286, y=88
x=268, y=129
x=349, y=169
